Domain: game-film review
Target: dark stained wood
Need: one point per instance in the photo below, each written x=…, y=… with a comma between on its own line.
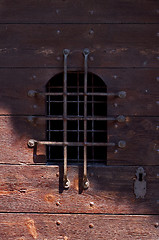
x=59, y=11
x=36, y=226
x=117, y=45
x=141, y=149
x=141, y=86
x=36, y=189
x=141, y=136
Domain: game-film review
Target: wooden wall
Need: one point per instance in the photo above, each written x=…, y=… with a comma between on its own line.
x=123, y=36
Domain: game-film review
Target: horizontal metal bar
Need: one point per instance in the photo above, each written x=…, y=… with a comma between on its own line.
x=76, y=101
x=89, y=131
x=120, y=118
x=33, y=93
x=33, y=142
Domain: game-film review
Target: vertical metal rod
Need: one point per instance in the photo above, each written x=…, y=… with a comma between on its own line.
x=78, y=114
x=66, y=182
x=85, y=179
x=49, y=124
x=93, y=117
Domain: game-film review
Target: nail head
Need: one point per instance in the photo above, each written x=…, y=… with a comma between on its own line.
x=91, y=225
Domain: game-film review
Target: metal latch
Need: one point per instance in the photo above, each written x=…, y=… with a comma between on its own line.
x=140, y=183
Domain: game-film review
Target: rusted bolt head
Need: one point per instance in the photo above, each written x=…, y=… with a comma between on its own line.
x=121, y=118
x=91, y=31
x=58, y=222
x=91, y=12
x=57, y=174
x=58, y=31
x=58, y=58
x=30, y=119
x=32, y=93
x=91, y=204
x=122, y=144
x=31, y=143
x=156, y=225
x=115, y=104
x=91, y=58
x=91, y=225
x=122, y=94
x=57, y=203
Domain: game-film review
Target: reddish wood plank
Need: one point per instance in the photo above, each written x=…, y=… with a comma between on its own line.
x=141, y=86
x=58, y=11
x=36, y=226
x=38, y=189
x=141, y=148
x=117, y=45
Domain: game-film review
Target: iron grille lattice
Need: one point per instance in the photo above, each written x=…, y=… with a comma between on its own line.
x=96, y=112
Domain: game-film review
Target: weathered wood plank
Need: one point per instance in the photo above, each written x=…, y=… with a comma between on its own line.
x=140, y=134
x=39, y=189
x=117, y=45
x=36, y=226
x=103, y=11
x=141, y=86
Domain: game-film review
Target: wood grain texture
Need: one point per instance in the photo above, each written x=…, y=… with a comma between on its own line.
x=141, y=148
x=59, y=11
x=36, y=226
x=141, y=86
x=39, y=189
x=117, y=45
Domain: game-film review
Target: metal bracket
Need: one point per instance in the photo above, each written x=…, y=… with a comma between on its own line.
x=140, y=183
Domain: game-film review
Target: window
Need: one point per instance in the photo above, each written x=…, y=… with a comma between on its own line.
x=75, y=117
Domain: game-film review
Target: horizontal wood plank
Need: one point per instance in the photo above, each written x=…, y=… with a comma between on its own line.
x=117, y=45
x=141, y=86
x=39, y=189
x=77, y=226
x=58, y=11
x=140, y=134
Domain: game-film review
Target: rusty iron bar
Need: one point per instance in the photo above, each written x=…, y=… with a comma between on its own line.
x=119, y=118
x=33, y=142
x=85, y=178
x=33, y=93
x=66, y=182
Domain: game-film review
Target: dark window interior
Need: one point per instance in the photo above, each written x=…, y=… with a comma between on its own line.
x=96, y=129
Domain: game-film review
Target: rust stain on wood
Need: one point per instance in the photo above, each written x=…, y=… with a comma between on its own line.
x=5, y=192
x=45, y=51
x=50, y=198
x=76, y=184
x=31, y=227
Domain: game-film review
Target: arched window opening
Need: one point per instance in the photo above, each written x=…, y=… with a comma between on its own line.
x=96, y=126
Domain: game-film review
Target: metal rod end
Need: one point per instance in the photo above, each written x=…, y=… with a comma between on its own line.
x=32, y=93
x=66, y=183
x=86, y=51
x=31, y=143
x=85, y=184
x=121, y=118
x=66, y=51
x=122, y=144
x=122, y=94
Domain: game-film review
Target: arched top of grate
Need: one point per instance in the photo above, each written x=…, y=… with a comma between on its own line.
x=96, y=110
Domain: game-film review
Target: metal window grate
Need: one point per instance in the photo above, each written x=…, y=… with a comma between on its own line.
x=71, y=110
